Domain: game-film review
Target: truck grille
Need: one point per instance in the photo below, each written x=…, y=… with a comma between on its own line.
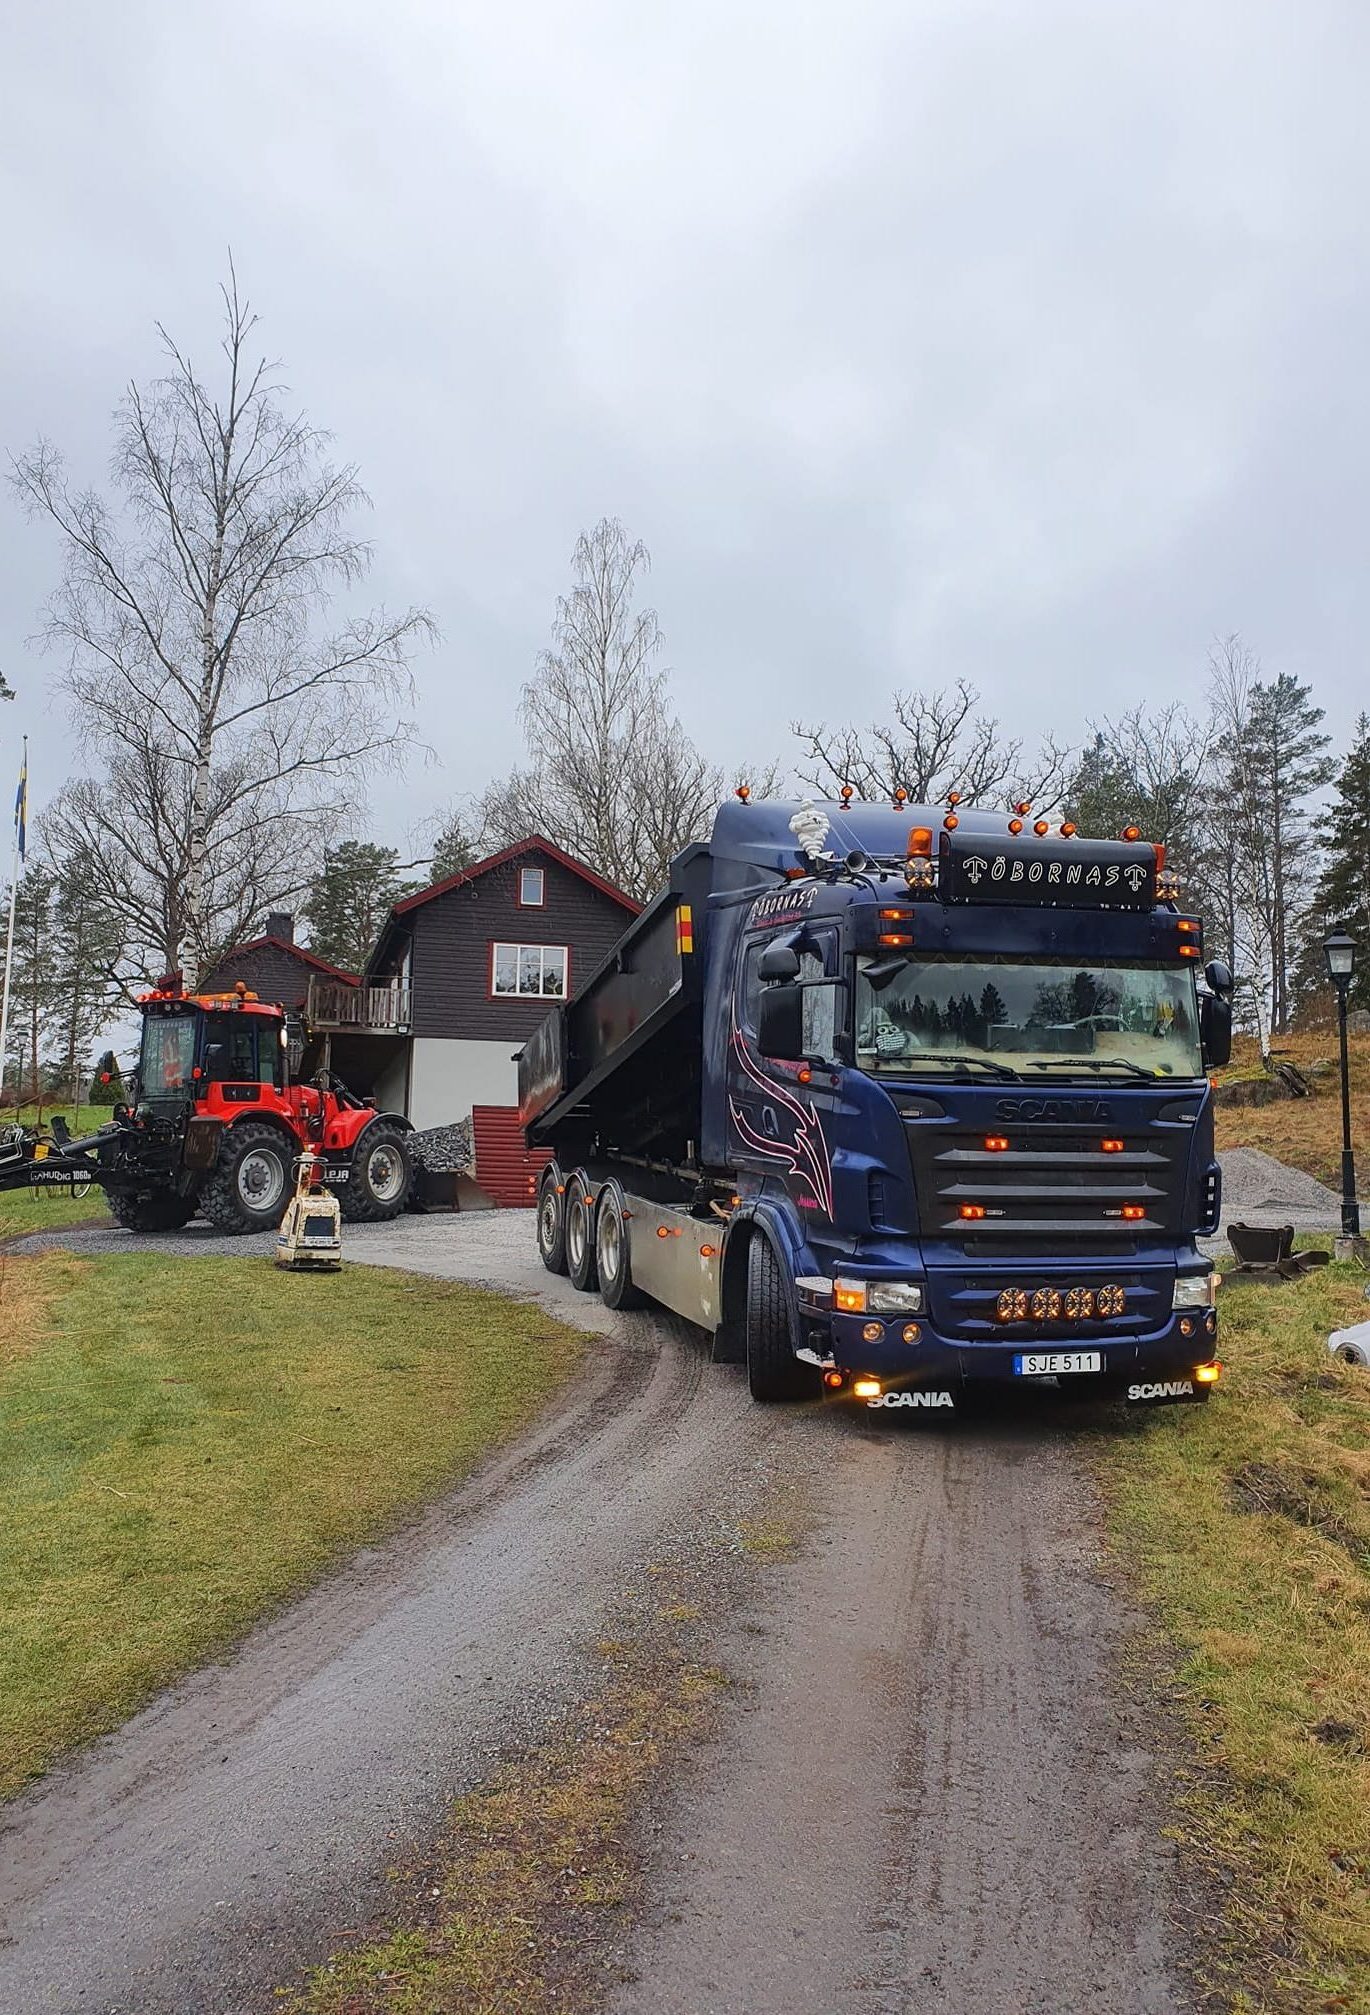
x=1056, y=1195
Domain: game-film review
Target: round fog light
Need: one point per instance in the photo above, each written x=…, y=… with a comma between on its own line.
x=911, y=1333
x=873, y=1332
x=833, y=1380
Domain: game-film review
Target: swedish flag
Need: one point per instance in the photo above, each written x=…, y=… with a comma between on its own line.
x=21, y=805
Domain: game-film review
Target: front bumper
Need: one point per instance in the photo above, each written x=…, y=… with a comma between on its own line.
x=840, y=1342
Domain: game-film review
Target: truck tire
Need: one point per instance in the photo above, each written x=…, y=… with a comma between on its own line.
x=252, y=1180
x=773, y=1371
x=580, y=1241
x=613, y=1251
x=382, y=1176
x=552, y=1222
x=162, y=1210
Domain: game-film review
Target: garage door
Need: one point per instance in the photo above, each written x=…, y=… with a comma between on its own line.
x=505, y=1168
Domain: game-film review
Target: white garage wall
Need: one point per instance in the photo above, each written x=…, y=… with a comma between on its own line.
x=448, y=1077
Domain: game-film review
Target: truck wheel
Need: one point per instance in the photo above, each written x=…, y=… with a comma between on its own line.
x=382, y=1177
x=163, y=1210
x=249, y=1185
x=773, y=1371
x=552, y=1223
x=613, y=1252
x=580, y=1244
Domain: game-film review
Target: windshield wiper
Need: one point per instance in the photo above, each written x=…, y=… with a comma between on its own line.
x=954, y=1057
x=1096, y=1063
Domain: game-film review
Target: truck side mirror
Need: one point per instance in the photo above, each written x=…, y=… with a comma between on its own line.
x=777, y=963
x=1215, y=1027
x=780, y=1021
x=1219, y=976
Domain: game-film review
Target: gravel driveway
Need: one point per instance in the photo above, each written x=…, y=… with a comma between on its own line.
x=928, y=1791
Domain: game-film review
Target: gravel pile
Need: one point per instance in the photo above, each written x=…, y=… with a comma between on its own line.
x=1255, y=1185
x=443, y=1147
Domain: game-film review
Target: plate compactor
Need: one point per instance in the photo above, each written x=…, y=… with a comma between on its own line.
x=310, y=1237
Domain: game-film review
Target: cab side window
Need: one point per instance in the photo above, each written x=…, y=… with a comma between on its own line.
x=231, y=1050
x=818, y=961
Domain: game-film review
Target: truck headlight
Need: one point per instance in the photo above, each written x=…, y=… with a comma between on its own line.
x=1195, y=1290
x=894, y=1297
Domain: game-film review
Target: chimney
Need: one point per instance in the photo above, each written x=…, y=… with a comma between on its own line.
x=280, y=924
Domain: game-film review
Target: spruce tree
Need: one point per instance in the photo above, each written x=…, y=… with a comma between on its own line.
x=349, y=901
x=1342, y=897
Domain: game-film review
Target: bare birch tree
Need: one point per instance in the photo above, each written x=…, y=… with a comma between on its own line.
x=936, y=742
x=235, y=725
x=612, y=776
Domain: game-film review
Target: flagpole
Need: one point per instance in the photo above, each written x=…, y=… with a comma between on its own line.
x=9, y=935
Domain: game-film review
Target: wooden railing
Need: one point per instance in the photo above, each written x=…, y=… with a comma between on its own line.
x=382, y=1010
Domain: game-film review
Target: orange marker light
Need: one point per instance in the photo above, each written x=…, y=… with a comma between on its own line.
x=1041, y=826
x=1111, y=1146
x=953, y=797
x=805, y=1075
x=995, y=1143
x=1188, y=926
x=707, y=1251
x=1134, y=1211
x=1191, y=951
x=833, y=1380
x=1068, y=830
x=920, y=840
x=1132, y=832
x=951, y=822
x=972, y=1210
x=743, y=791
x=1023, y=809
x=895, y=938
x=1015, y=825
x=849, y=1296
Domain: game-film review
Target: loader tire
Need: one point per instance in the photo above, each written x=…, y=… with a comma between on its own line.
x=773, y=1371
x=252, y=1181
x=382, y=1177
x=161, y=1210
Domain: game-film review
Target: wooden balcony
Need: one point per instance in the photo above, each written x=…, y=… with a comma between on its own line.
x=380, y=1010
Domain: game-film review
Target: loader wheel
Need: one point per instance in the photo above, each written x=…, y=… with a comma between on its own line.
x=382, y=1177
x=250, y=1183
x=613, y=1252
x=580, y=1243
x=163, y=1210
x=773, y=1371
x=552, y=1223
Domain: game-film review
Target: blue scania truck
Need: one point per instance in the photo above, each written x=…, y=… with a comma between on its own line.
x=898, y=1101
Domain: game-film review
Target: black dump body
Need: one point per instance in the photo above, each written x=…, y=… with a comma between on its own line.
x=624, y=1057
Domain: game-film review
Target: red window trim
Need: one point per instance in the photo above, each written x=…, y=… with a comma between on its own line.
x=541, y=902
x=527, y=999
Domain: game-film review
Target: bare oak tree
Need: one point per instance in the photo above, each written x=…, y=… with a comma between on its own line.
x=937, y=742
x=612, y=776
x=234, y=725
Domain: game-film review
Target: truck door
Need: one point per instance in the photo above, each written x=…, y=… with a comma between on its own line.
x=775, y=1110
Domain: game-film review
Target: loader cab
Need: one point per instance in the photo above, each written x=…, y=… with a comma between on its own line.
x=198, y=1052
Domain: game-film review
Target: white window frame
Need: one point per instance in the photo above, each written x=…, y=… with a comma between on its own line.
x=519, y=993
x=539, y=901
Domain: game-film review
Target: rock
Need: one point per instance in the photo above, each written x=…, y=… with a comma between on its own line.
x=446, y=1148
x=1358, y=1021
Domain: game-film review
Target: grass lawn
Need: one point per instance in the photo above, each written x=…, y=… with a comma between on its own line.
x=186, y=1443
x=1305, y=1132
x=24, y=1210
x=1250, y=1520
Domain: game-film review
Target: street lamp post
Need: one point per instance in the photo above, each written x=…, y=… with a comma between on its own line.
x=1339, y=950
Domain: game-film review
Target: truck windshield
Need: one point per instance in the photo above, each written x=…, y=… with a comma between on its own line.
x=1036, y=1020
x=168, y=1054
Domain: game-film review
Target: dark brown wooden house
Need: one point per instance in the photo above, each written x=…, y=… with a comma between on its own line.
x=461, y=976
x=274, y=967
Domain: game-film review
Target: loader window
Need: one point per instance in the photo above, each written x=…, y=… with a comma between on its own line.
x=168, y=1054
x=231, y=1049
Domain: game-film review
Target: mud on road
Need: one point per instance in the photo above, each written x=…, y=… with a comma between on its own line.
x=922, y=1793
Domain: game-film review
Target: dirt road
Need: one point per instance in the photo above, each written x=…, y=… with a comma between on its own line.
x=922, y=1796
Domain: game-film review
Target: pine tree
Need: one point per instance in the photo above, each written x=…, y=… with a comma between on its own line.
x=349, y=901
x=86, y=944
x=1342, y=897
x=456, y=848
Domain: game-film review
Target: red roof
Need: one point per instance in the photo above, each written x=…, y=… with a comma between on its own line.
x=296, y=951
x=534, y=844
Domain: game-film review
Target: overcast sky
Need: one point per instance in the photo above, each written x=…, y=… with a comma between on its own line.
x=1026, y=342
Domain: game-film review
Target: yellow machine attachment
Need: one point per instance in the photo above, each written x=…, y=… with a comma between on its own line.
x=311, y=1230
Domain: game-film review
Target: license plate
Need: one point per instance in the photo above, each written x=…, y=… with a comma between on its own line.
x=1052, y=1363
